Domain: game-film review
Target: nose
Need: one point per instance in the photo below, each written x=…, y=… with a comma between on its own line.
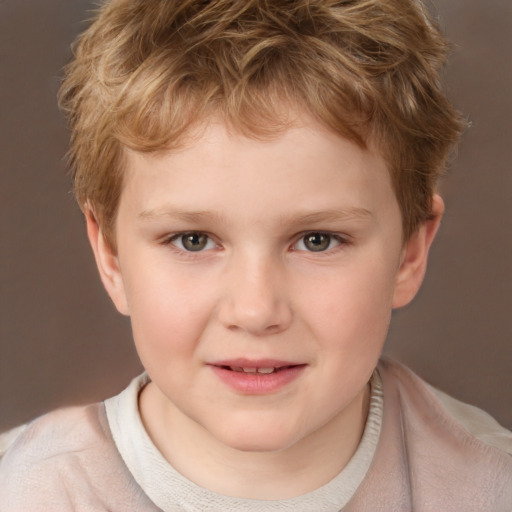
x=255, y=299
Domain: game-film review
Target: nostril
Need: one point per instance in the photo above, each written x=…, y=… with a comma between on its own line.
x=254, y=312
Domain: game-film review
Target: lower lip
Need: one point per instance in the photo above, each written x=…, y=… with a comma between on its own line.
x=258, y=383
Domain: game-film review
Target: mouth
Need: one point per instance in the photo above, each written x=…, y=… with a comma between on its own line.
x=256, y=366
x=259, y=370
x=256, y=377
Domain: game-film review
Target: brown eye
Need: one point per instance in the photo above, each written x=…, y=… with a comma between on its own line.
x=317, y=242
x=193, y=241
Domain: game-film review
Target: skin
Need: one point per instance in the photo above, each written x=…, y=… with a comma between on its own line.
x=258, y=290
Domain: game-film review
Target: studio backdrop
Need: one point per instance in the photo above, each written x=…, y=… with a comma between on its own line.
x=62, y=342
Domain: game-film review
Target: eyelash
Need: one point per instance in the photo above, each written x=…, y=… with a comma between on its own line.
x=342, y=241
x=169, y=242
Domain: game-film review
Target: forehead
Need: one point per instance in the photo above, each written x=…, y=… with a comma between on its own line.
x=222, y=170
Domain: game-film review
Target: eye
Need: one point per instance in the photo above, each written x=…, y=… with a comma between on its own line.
x=317, y=242
x=192, y=242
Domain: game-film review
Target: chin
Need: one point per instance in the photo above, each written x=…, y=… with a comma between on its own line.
x=249, y=439
x=253, y=446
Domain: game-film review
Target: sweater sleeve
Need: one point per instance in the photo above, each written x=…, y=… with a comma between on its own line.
x=476, y=421
x=67, y=460
x=8, y=438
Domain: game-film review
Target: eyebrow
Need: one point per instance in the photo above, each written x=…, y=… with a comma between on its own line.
x=335, y=215
x=330, y=215
x=187, y=216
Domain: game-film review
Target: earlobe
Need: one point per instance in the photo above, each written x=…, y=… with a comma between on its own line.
x=413, y=264
x=107, y=263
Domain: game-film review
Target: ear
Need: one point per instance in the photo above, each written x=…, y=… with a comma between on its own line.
x=108, y=264
x=413, y=264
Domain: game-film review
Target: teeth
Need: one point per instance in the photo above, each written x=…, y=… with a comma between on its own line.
x=264, y=371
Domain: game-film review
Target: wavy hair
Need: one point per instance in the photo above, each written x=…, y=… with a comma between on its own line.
x=146, y=72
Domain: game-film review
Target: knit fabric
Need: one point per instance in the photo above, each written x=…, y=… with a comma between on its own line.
x=427, y=458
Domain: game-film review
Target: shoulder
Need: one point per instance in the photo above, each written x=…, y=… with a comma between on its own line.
x=57, y=433
x=50, y=441
x=450, y=460
x=44, y=451
x=431, y=458
x=473, y=421
x=68, y=460
x=7, y=438
x=476, y=421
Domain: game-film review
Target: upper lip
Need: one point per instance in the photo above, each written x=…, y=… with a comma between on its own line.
x=242, y=362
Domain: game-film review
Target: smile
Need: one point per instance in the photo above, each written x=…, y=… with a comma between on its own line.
x=257, y=378
x=263, y=371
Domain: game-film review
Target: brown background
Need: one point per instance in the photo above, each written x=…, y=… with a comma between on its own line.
x=62, y=342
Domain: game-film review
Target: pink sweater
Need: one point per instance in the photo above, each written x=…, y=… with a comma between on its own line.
x=425, y=461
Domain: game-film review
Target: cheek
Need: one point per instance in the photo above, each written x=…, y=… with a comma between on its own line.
x=351, y=312
x=350, y=322
x=168, y=314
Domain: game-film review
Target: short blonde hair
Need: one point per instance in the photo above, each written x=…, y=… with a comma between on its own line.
x=145, y=72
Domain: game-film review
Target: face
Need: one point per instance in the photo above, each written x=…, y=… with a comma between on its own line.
x=259, y=277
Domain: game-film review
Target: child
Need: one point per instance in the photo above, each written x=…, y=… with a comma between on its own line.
x=258, y=181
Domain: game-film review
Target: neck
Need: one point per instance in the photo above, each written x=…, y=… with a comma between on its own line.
x=271, y=475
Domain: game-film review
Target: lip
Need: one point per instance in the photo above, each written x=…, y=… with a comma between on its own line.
x=256, y=383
